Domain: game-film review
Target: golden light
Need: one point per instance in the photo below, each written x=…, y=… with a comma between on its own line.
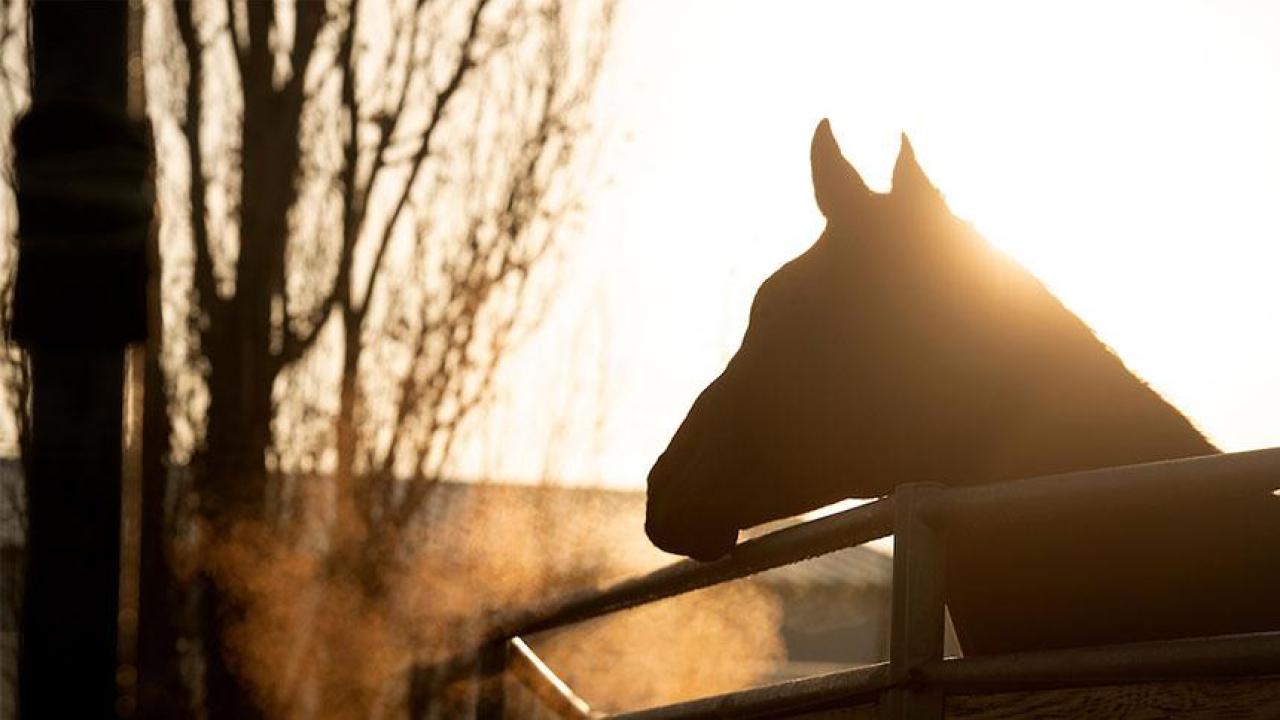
x=1126, y=153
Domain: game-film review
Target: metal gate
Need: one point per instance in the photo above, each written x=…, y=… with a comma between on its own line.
x=917, y=680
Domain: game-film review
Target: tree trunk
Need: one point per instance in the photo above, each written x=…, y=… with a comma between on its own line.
x=352, y=515
x=232, y=486
x=162, y=690
x=243, y=352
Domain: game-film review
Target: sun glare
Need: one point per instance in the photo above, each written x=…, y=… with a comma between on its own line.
x=1124, y=153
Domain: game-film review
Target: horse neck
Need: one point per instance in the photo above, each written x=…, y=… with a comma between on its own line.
x=1073, y=405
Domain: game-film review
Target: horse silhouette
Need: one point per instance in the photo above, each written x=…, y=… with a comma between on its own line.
x=901, y=347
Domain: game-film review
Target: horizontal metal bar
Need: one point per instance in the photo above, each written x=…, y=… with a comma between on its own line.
x=841, y=688
x=849, y=528
x=1243, y=474
x=852, y=527
x=1238, y=473
x=527, y=668
x=1253, y=655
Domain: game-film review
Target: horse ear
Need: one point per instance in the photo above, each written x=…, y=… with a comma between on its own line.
x=836, y=185
x=908, y=177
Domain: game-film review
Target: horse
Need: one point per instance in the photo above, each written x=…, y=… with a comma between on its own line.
x=903, y=347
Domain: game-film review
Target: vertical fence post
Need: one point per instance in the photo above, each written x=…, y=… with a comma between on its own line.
x=81, y=167
x=421, y=684
x=491, y=703
x=917, y=623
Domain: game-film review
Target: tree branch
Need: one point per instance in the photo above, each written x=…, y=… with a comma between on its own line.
x=294, y=345
x=309, y=18
x=443, y=97
x=460, y=376
x=205, y=282
x=411, y=390
x=238, y=49
x=261, y=14
x=388, y=121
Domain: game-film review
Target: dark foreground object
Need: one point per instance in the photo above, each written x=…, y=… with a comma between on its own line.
x=82, y=174
x=67, y=666
x=1173, y=552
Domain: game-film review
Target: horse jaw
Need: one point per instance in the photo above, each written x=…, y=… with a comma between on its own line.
x=681, y=516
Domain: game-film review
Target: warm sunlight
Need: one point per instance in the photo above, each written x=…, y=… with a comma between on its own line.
x=1126, y=154
x=383, y=358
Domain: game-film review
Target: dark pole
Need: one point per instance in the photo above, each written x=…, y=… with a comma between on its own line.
x=918, y=616
x=491, y=701
x=84, y=206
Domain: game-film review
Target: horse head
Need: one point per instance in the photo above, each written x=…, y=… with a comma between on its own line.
x=868, y=360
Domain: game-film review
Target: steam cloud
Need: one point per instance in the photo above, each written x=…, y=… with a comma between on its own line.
x=317, y=640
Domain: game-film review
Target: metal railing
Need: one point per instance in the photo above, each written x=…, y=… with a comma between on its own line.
x=917, y=678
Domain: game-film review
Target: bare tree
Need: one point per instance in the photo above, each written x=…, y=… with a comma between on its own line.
x=14, y=372
x=15, y=94
x=15, y=381
x=356, y=195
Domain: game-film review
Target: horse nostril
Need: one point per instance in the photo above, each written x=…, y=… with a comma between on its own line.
x=693, y=538
x=712, y=544
x=683, y=529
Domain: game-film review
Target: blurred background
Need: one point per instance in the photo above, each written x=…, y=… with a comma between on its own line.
x=438, y=280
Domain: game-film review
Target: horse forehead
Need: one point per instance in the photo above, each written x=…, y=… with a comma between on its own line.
x=811, y=265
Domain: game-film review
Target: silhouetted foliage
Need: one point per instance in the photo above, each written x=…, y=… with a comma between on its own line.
x=356, y=196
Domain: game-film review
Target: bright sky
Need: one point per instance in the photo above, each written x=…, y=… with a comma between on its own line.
x=1128, y=153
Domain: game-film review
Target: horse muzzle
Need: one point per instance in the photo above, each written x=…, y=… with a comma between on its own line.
x=681, y=515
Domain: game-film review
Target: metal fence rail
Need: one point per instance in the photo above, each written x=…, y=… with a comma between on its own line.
x=825, y=535
x=916, y=679
x=1196, y=658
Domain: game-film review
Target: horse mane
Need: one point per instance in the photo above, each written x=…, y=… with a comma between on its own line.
x=1054, y=359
